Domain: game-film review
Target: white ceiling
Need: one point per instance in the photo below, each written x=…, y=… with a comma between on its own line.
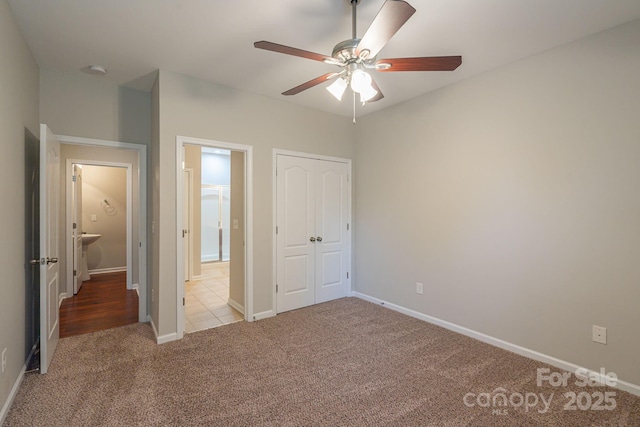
x=213, y=39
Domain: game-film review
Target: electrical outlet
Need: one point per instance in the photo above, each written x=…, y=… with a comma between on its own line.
x=4, y=360
x=419, y=288
x=599, y=334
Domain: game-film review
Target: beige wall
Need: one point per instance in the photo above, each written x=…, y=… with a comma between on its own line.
x=92, y=107
x=153, y=272
x=192, y=107
x=236, y=258
x=513, y=197
x=18, y=110
x=101, y=183
x=193, y=160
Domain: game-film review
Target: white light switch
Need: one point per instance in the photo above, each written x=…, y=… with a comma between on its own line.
x=94, y=217
x=235, y=224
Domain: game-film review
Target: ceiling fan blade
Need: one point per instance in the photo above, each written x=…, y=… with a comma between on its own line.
x=379, y=95
x=430, y=63
x=311, y=83
x=288, y=50
x=392, y=16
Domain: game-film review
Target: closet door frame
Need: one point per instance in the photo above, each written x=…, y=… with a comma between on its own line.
x=274, y=260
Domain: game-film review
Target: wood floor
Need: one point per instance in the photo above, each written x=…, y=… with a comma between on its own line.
x=102, y=303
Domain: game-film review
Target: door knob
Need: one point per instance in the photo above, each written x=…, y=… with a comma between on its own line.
x=34, y=261
x=312, y=239
x=52, y=260
x=319, y=239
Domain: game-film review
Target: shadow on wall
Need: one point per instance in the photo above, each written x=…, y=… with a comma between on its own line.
x=134, y=115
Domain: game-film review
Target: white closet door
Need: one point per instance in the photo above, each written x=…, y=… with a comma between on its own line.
x=332, y=198
x=295, y=212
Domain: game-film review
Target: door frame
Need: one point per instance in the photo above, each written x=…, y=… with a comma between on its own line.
x=274, y=177
x=141, y=149
x=69, y=218
x=189, y=256
x=248, y=223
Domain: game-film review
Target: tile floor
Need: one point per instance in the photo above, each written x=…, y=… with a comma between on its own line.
x=206, y=299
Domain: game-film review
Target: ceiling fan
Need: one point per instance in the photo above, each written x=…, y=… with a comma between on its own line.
x=355, y=55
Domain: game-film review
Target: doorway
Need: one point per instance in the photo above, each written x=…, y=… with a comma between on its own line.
x=216, y=239
x=129, y=159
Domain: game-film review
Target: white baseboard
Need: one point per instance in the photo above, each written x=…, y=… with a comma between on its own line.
x=263, y=315
x=233, y=303
x=16, y=386
x=197, y=277
x=531, y=354
x=108, y=270
x=136, y=288
x=61, y=297
x=162, y=339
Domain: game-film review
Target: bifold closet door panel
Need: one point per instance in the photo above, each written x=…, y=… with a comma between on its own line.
x=295, y=250
x=332, y=209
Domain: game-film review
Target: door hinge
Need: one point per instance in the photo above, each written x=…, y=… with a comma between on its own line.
x=276, y=288
x=347, y=226
x=347, y=274
x=75, y=273
x=75, y=225
x=74, y=178
x=276, y=229
x=140, y=244
x=183, y=303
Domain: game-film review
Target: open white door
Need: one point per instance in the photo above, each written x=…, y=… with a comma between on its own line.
x=49, y=270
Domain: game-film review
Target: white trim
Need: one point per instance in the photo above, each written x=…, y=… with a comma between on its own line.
x=16, y=386
x=112, y=270
x=61, y=298
x=161, y=339
x=233, y=303
x=264, y=315
x=274, y=216
x=197, y=277
x=248, y=206
x=142, y=206
x=505, y=345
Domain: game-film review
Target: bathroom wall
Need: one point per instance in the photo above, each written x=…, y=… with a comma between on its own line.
x=100, y=183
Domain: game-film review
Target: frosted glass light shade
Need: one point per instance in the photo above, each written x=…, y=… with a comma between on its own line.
x=337, y=88
x=360, y=81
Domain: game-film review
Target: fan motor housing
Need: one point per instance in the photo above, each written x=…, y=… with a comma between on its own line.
x=345, y=50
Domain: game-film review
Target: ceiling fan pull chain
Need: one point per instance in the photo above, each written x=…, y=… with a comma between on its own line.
x=354, y=108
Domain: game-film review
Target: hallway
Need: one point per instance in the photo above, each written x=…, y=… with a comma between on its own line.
x=206, y=299
x=103, y=302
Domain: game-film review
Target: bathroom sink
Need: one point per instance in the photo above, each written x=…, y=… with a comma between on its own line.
x=88, y=239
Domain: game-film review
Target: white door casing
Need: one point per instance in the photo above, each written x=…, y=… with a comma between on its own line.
x=49, y=271
x=77, y=228
x=312, y=240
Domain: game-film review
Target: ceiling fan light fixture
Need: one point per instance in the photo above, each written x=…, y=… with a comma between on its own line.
x=337, y=88
x=367, y=94
x=360, y=81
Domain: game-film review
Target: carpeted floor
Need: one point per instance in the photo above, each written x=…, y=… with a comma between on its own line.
x=342, y=363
